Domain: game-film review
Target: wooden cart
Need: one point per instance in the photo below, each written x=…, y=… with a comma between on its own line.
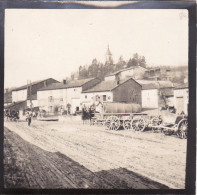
x=170, y=123
x=114, y=121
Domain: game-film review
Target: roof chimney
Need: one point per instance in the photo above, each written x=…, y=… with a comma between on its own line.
x=64, y=81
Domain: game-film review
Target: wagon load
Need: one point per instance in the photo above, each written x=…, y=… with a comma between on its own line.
x=116, y=107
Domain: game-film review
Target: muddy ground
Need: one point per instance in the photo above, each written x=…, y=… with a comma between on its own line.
x=69, y=154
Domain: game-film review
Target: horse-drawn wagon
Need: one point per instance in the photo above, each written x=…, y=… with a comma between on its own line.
x=129, y=116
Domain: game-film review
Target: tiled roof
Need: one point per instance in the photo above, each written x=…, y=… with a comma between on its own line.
x=106, y=86
x=75, y=83
x=181, y=86
x=33, y=83
x=133, y=67
x=150, y=84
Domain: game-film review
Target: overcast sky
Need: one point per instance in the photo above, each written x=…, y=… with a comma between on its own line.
x=53, y=43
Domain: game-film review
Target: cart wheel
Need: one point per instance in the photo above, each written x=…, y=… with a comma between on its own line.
x=182, y=129
x=107, y=123
x=138, y=124
x=113, y=123
x=127, y=124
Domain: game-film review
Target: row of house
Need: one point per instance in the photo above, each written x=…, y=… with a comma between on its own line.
x=25, y=96
x=122, y=86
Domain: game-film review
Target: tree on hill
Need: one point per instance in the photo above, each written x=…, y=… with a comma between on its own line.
x=97, y=69
x=120, y=64
x=137, y=60
x=83, y=73
x=142, y=61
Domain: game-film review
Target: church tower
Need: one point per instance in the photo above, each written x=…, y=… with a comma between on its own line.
x=109, y=59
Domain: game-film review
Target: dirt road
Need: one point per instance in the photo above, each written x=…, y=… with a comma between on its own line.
x=72, y=155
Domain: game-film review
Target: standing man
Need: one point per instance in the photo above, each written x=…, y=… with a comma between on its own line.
x=28, y=117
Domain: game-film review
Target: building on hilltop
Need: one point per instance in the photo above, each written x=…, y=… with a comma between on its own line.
x=158, y=74
x=136, y=72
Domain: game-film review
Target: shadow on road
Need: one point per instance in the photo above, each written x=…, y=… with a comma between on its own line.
x=28, y=166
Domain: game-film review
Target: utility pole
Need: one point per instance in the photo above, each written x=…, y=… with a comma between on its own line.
x=27, y=94
x=30, y=97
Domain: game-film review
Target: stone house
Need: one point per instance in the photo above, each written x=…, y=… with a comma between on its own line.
x=136, y=72
x=126, y=90
x=64, y=96
x=156, y=94
x=181, y=98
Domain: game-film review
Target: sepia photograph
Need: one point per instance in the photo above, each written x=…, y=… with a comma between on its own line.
x=95, y=98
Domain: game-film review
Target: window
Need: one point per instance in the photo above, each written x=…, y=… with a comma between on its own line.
x=77, y=108
x=85, y=96
x=51, y=109
x=104, y=97
x=61, y=99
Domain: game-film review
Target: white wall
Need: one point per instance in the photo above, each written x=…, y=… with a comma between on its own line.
x=20, y=95
x=75, y=102
x=43, y=98
x=73, y=93
x=126, y=73
x=110, y=78
x=34, y=102
x=138, y=72
x=150, y=98
x=88, y=98
x=67, y=94
x=181, y=100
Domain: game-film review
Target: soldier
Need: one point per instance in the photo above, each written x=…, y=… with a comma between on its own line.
x=84, y=113
x=28, y=117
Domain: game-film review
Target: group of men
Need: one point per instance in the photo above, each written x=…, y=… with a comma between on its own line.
x=11, y=115
x=87, y=113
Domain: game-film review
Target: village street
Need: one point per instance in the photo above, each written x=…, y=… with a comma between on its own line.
x=68, y=154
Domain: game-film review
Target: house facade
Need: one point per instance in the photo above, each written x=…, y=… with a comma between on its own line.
x=64, y=96
x=22, y=93
x=158, y=74
x=136, y=72
x=156, y=94
x=125, y=91
x=181, y=98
